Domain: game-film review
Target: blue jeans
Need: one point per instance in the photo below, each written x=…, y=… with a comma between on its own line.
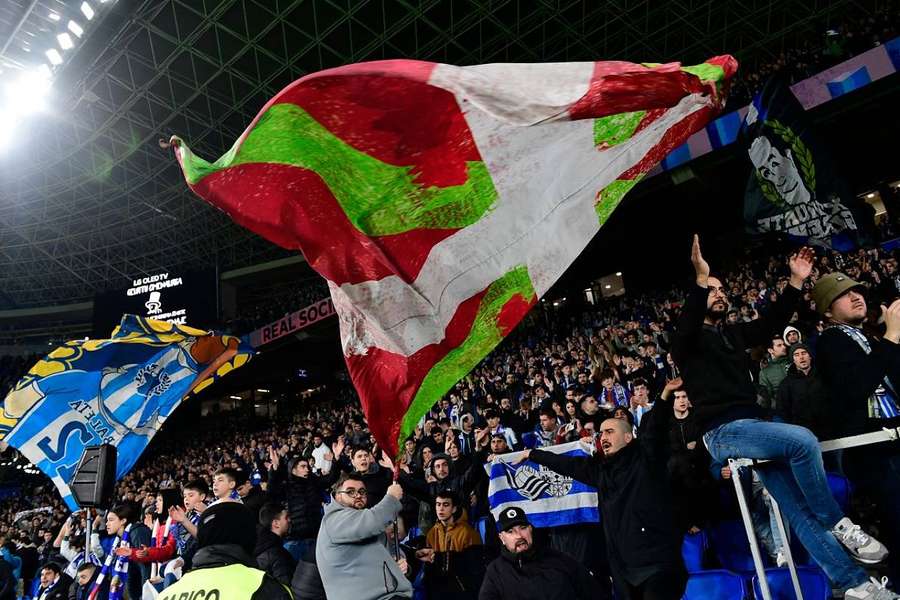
x=797, y=481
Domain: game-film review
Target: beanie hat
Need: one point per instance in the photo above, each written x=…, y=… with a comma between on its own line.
x=227, y=523
x=799, y=346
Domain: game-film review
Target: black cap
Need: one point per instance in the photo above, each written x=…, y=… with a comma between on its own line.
x=227, y=523
x=510, y=517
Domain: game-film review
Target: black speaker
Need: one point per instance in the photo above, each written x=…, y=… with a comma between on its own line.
x=95, y=477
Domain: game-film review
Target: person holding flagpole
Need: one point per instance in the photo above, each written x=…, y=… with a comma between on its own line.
x=643, y=543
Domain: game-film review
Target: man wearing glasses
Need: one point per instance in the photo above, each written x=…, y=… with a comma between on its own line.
x=351, y=549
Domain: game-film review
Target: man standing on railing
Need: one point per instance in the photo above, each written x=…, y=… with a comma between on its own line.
x=715, y=367
x=862, y=374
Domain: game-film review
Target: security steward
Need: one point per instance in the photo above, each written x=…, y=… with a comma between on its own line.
x=224, y=568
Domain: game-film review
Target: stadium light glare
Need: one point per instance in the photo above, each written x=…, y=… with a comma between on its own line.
x=75, y=28
x=20, y=97
x=618, y=273
x=87, y=10
x=262, y=391
x=65, y=41
x=54, y=57
x=53, y=16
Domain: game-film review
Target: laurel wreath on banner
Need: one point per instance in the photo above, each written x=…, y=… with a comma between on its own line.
x=803, y=157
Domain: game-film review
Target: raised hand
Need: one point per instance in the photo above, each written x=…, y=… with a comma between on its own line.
x=701, y=267
x=801, y=265
x=891, y=315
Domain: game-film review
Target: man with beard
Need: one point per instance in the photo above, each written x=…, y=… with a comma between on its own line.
x=862, y=374
x=715, y=366
x=643, y=544
x=528, y=571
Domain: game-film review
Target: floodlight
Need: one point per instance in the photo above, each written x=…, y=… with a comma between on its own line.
x=75, y=28
x=87, y=10
x=65, y=41
x=54, y=57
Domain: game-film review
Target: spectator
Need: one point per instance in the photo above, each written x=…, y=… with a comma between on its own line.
x=803, y=398
x=791, y=336
x=493, y=422
x=8, y=581
x=640, y=401
x=774, y=373
x=353, y=560
x=546, y=432
x=223, y=562
x=117, y=519
x=715, y=368
x=643, y=544
x=363, y=465
x=860, y=373
x=85, y=578
x=251, y=495
x=225, y=483
x=613, y=393
x=528, y=571
x=270, y=554
x=54, y=583
x=454, y=557
x=303, y=491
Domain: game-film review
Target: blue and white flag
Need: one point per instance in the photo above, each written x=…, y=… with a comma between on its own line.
x=549, y=499
x=117, y=391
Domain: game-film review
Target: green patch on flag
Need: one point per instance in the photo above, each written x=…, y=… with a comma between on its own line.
x=378, y=198
x=706, y=72
x=483, y=337
x=610, y=196
x=615, y=129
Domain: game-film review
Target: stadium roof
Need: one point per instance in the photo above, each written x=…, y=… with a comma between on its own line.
x=87, y=197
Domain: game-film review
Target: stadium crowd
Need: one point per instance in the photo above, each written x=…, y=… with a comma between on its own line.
x=559, y=377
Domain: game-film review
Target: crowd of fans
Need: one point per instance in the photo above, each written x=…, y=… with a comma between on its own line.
x=557, y=378
x=804, y=60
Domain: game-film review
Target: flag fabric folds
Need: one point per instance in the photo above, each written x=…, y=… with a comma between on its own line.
x=118, y=391
x=549, y=499
x=795, y=188
x=441, y=202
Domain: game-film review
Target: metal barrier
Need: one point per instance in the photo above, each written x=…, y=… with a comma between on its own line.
x=865, y=439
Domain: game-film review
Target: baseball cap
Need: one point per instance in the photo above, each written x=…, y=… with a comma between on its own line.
x=510, y=517
x=829, y=288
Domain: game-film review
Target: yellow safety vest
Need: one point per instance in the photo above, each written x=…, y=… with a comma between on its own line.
x=232, y=582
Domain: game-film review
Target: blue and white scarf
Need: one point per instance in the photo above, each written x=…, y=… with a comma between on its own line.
x=883, y=402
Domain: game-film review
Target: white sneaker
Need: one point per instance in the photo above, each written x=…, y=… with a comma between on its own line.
x=861, y=545
x=871, y=590
x=780, y=559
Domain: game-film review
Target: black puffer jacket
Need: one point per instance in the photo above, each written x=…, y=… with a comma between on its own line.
x=635, y=500
x=307, y=584
x=303, y=496
x=272, y=557
x=804, y=400
x=538, y=574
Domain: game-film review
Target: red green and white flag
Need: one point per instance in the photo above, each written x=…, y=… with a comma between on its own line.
x=442, y=202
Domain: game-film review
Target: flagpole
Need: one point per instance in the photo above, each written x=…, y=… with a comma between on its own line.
x=396, y=525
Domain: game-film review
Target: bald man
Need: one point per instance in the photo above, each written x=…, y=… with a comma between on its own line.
x=642, y=541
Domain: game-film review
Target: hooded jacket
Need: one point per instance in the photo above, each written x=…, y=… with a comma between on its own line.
x=352, y=554
x=540, y=573
x=771, y=377
x=231, y=572
x=458, y=567
x=272, y=557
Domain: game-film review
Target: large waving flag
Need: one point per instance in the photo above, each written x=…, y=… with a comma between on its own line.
x=549, y=499
x=441, y=202
x=118, y=391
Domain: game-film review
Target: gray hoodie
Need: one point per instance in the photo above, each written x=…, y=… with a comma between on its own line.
x=352, y=553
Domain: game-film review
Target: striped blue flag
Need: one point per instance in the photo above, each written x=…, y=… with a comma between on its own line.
x=549, y=499
x=117, y=391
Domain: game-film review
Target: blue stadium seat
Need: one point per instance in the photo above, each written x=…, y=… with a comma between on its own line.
x=840, y=489
x=714, y=585
x=692, y=550
x=729, y=542
x=813, y=583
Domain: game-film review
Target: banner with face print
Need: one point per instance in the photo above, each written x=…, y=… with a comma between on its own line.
x=794, y=188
